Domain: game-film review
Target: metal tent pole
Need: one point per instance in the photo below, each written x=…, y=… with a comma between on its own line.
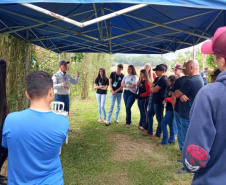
x=87, y=23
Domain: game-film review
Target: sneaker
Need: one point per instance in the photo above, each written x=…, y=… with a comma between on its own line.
x=107, y=124
x=99, y=120
x=105, y=121
x=116, y=121
x=182, y=170
x=127, y=126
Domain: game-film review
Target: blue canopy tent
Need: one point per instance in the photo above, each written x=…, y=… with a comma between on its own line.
x=135, y=26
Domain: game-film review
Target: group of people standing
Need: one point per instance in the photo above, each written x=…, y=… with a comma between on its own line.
x=176, y=93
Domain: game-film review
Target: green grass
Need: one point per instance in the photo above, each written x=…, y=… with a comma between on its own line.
x=114, y=155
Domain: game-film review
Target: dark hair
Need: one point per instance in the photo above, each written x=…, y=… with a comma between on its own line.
x=172, y=79
x=133, y=69
x=4, y=110
x=120, y=66
x=38, y=84
x=165, y=66
x=104, y=74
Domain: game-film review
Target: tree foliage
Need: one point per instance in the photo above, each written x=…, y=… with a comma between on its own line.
x=140, y=60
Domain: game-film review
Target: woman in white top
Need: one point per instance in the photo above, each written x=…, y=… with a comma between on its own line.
x=129, y=83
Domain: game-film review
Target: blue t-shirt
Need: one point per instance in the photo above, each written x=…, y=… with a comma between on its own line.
x=34, y=140
x=190, y=88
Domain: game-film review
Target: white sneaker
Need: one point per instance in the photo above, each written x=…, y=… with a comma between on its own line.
x=117, y=121
x=127, y=126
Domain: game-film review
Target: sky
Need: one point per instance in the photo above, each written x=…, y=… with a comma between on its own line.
x=169, y=56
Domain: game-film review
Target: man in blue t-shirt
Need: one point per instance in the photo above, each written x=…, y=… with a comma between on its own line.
x=34, y=136
x=204, y=150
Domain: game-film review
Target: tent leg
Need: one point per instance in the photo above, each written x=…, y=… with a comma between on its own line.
x=59, y=57
x=27, y=67
x=193, y=53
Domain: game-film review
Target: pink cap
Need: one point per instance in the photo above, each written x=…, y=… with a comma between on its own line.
x=178, y=66
x=217, y=45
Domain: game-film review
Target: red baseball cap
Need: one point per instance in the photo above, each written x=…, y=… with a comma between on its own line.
x=217, y=45
x=178, y=66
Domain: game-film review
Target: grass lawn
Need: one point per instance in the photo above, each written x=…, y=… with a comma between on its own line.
x=115, y=155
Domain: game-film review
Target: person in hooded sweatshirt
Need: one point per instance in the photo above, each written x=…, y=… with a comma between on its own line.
x=204, y=151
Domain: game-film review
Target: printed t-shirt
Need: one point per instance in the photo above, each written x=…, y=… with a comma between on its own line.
x=130, y=79
x=100, y=82
x=116, y=81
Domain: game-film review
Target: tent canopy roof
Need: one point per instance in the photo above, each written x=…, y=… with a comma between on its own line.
x=155, y=28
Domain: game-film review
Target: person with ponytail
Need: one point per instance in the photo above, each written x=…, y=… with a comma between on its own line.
x=143, y=92
x=4, y=110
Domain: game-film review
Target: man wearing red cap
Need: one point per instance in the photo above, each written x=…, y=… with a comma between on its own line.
x=204, y=150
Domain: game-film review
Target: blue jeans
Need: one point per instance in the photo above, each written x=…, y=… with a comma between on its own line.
x=184, y=129
x=158, y=110
x=168, y=120
x=175, y=127
x=118, y=97
x=179, y=135
x=151, y=113
x=129, y=99
x=64, y=99
x=143, y=104
x=101, y=99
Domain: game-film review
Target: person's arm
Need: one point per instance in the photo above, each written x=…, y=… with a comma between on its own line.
x=105, y=87
x=155, y=89
x=178, y=93
x=110, y=84
x=73, y=81
x=97, y=87
x=119, y=89
x=201, y=133
x=148, y=90
x=55, y=84
x=173, y=100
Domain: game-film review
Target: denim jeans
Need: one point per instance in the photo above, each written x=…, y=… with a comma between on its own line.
x=129, y=99
x=158, y=110
x=151, y=113
x=143, y=104
x=168, y=120
x=64, y=99
x=118, y=98
x=184, y=129
x=101, y=99
x=175, y=127
x=179, y=135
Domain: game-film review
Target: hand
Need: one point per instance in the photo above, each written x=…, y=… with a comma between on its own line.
x=184, y=98
x=78, y=73
x=123, y=85
x=163, y=102
x=63, y=84
x=113, y=92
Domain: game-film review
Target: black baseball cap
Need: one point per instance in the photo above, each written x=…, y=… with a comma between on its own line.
x=159, y=68
x=63, y=62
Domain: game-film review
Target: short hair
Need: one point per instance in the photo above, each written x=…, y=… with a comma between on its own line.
x=165, y=66
x=38, y=84
x=133, y=69
x=120, y=66
x=172, y=79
